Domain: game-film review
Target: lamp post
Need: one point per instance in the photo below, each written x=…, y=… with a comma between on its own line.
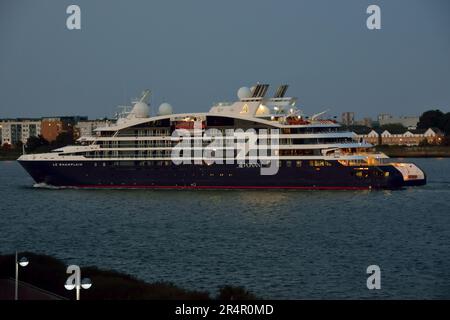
x=23, y=263
x=73, y=282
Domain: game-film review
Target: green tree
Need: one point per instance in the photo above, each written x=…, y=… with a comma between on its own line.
x=6, y=147
x=18, y=145
x=431, y=118
x=34, y=143
x=445, y=124
x=63, y=139
x=394, y=128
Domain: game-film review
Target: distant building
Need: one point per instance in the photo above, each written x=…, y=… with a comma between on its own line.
x=85, y=128
x=348, y=118
x=365, y=122
x=384, y=116
x=406, y=138
x=409, y=122
x=14, y=130
x=52, y=127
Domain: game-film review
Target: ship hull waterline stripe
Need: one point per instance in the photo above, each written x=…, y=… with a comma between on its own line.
x=220, y=187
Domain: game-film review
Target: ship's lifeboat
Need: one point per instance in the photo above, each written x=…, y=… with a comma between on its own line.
x=296, y=121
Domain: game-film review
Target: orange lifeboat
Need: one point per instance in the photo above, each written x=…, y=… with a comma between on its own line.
x=294, y=121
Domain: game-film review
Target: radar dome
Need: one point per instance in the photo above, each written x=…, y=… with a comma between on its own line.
x=165, y=109
x=140, y=110
x=244, y=93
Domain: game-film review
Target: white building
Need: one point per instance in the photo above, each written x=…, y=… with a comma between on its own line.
x=406, y=138
x=14, y=130
x=409, y=122
x=348, y=118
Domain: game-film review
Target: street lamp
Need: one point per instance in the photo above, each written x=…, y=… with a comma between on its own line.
x=73, y=282
x=23, y=263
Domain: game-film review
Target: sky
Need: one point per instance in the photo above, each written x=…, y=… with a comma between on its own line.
x=193, y=53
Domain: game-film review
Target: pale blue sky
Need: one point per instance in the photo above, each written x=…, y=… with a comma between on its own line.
x=192, y=53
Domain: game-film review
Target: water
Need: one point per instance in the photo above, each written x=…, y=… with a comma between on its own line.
x=278, y=244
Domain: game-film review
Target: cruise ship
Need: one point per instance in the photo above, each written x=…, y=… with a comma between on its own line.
x=141, y=149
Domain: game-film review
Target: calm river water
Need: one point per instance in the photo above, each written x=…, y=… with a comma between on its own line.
x=278, y=244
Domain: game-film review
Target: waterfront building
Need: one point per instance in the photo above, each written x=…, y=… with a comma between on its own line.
x=51, y=127
x=348, y=118
x=409, y=122
x=13, y=131
x=405, y=138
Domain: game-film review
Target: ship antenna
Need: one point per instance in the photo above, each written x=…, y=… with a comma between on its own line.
x=145, y=95
x=314, y=117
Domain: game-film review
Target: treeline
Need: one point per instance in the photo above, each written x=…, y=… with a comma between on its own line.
x=50, y=274
x=39, y=144
x=437, y=119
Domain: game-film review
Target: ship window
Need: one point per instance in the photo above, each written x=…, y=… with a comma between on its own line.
x=288, y=164
x=298, y=164
x=319, y=163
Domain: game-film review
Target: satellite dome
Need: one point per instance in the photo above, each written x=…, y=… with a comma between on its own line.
x=244, y=93
x=140, y=110
x=165, y=109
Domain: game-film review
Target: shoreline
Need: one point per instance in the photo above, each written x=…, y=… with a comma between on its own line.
x=49, y=274
x=415, y=151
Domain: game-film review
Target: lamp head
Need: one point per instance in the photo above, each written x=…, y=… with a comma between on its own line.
x=86, y=283
x=23, y=262
x=69, y=285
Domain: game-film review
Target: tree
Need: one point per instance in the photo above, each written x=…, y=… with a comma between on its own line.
x=431, y=118
x=445, y=124
x=63, y=139
x=394, y=128
x=18, y=145
x=6, y=147
x=33, y=143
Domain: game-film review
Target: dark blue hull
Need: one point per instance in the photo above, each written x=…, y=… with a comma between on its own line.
x=113, y=174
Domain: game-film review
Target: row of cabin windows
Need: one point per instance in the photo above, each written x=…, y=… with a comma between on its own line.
x=168, y=153
x=369, y=173
x=288, y=164
x=167, y=131
x=136, y=144
x=144, y=133
x=313, y=130
x=169, y=143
